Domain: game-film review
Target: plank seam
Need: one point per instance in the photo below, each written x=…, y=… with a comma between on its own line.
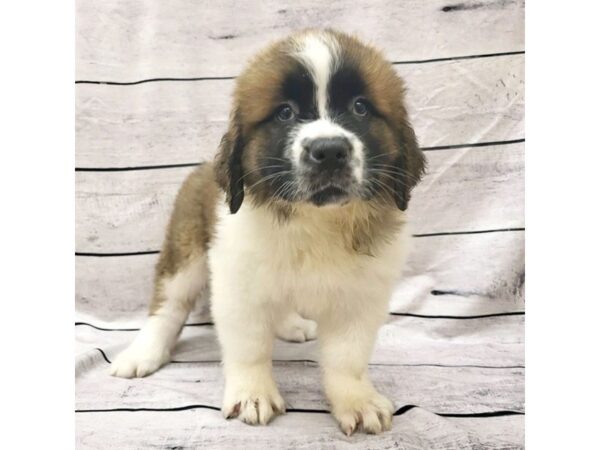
x=125, y=169
x=310, y=361
x=215, y=78
x=460, y=233
x=199, y=324
x=475, y=144
x=459, y=58
x=148, y=252
x=398, y=314
x=398, y=412
x=444, y=233
x=481, y=316
x=178, y=166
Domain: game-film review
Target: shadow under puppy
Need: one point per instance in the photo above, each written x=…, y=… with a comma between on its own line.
x=298, y=224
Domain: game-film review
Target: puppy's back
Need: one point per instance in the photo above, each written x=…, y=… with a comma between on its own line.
x=192, y=221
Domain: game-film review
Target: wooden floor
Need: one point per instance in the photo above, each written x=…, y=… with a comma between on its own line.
x=152, y=99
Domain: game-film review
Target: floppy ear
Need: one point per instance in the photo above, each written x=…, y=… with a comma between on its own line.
x=228, y=164
x=411, y=164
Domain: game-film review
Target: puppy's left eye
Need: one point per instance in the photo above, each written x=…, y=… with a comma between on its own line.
x=359, y=107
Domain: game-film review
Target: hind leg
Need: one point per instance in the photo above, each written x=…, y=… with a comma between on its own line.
x=295, y=328
x=173, y=300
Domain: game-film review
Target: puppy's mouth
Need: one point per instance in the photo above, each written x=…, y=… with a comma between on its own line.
x=329, y=195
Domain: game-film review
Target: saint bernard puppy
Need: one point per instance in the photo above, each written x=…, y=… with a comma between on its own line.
x=298, y=227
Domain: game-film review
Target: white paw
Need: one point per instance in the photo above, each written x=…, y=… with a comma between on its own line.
x=253, y=400
x=296, y=328
x=370, y=413
x=138, y=361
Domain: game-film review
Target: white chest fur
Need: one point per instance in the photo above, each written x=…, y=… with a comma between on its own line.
x=305, y=262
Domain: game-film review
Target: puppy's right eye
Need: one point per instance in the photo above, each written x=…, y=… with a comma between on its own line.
x=285, y=113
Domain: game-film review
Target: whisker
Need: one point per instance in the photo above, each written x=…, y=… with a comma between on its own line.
x=395, y=170
x=394, y=179
x=386, y=189
x=268, y=178
x=376, y=156
x=259, y=168
x=276, y=158
x=281, y=188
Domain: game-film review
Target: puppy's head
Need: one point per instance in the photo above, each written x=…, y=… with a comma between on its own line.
x=319, y=118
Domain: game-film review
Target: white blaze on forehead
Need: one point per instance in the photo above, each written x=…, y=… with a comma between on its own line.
x=319, y=52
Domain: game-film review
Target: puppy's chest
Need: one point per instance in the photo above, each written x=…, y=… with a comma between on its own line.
x=310, y=251
x=319, y=252
x=311, y=259
x=313, y=252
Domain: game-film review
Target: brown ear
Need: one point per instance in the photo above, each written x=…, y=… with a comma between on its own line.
x=410, y=163
x=228, y=165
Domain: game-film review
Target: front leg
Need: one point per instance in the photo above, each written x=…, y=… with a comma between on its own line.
x=347, y=339
x=246, y=335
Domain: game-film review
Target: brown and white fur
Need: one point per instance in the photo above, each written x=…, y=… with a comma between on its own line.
x=299, y=224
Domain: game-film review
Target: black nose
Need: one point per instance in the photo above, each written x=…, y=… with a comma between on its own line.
x=328, y=153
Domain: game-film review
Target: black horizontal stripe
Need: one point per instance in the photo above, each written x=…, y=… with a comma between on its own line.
x=483, y=414
x=199, y=324
x=457, y=233
x=443, y=233
x=457, y=293
x=77, y=324
x=481, y=316
x=399, y=412
x=188, y=407
x=400, y=314
x=474, y=144
x=176, y=408
x=454, y=366
x=148, y=252
x=193, y=164
x=212, y=78
x=311, y=361
x=316, y=363
x=150, y=80
x=125, y=169
x=307, y=410
x=458, y=58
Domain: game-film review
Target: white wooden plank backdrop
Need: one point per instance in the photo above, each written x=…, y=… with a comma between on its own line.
x=152, y=97
x=487, y=341
x=182, y=122
x=130, y=40
x=489, y=179
x=443, y=390
x=202, y=428
x=485, y=265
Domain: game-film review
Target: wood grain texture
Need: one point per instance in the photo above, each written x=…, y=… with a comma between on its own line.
x=495, y=341
x=201, y=428
x=470, y=189
x=488, y=267
x=129, y=40
x=464, y=189
x=438, y=389
x=441, y=364
x=451, y=102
